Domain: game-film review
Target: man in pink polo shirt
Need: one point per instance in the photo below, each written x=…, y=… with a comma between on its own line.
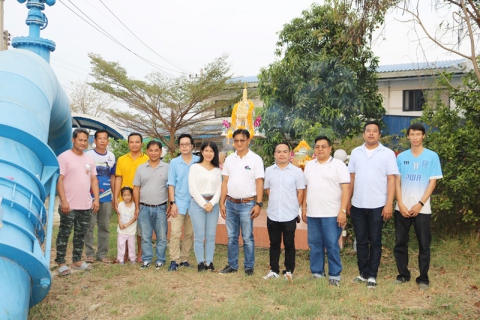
x=77, y=176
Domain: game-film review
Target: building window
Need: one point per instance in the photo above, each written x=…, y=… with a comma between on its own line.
x=224, y=112
x=413, y=100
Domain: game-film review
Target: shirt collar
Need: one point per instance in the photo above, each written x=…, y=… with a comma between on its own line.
x=328, y=161
x=289, y=166
x=249, y=153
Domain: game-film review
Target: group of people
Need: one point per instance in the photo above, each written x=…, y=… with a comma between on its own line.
x=193, y=191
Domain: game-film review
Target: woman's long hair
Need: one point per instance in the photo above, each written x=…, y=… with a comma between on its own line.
x=215, y=160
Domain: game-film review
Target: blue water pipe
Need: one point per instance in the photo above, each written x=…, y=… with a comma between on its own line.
x=35, y=127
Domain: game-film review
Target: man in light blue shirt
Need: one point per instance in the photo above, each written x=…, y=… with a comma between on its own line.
x=179, y=199
x=373, y=168
x=284, y=184
x=419, y=171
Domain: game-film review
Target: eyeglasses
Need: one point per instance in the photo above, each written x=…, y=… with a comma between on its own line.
x=185, y=144
x=325, y=146
x=239, y=141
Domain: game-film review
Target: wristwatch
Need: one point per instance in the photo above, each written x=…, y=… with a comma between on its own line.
x=172, y=202
x=344, y=211
x=260, y=204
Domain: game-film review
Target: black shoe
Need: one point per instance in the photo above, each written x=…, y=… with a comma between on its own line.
x=249, y=272
x=185, y=264
x=227, y=269
x=202, y=267
x=211, y=267
x=173, y=266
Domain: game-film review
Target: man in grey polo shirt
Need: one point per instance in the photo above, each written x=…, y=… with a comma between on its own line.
x=284, y=184
x=150, y=196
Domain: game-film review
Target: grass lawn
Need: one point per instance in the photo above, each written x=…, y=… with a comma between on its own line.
x=126, y=292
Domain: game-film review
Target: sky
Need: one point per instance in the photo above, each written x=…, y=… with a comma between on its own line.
x=180, y=37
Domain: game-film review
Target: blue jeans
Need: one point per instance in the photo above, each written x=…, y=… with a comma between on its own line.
x=367, y=224
x=323, y=233
x=238, y=216
x=149, y=219
x=204, y=228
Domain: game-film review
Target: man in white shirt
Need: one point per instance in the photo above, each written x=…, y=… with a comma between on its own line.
x=373, y=168
x=284, y=184
x=324, y=209
x=241, y=200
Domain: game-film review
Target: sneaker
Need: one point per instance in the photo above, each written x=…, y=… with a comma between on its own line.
x=270, y=275
x=249, y=272
x=334, y=282
x=400, y=281
x=359, y=279
x=158, y=265
x=145, y=265
x=201, y=267
x=227, y=269
x=173, y=266
x=371, y=283
x=185, y=264
x=288, y=276
x=211, y=267
x=423, y=286
x=122, y=263
x=318, y=276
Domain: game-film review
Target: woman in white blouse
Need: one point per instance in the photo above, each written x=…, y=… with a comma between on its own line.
x=204, y=183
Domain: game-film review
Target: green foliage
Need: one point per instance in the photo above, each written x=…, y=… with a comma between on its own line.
x=456, y=139
x=120, y=147
x=161, y=106
x=326, y=75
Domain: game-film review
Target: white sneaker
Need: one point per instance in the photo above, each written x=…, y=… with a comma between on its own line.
x=271, y=275
x=288, y=276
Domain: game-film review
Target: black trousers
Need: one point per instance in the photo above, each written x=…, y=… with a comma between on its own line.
x=421, y=224
x=275, y=232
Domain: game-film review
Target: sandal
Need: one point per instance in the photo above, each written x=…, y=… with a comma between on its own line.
x=90, y=259
x=84, y=266
x=104, y=260
x=64, y=270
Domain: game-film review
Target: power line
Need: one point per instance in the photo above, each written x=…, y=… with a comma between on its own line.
x=141, y=39
x=106, y=34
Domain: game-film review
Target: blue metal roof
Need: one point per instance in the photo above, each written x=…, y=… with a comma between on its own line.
x=249, y=79
x=421, y=66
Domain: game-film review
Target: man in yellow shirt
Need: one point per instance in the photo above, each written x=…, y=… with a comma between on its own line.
x=125, y=172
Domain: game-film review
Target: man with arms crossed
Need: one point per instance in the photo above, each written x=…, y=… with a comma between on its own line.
x=419, y=171
x=77, y=177
x=179, y=198
x=105, y=165
x=284, y=184
x=372, y=169
x=324, y=209
x=150, y=196
x=241, y=200
x=125, y=172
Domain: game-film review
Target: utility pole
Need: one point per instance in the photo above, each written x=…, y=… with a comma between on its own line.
x=2, y=41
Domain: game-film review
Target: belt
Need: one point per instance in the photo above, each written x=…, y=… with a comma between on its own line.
x=244, y=200
x=207, y=197
x=153, y=205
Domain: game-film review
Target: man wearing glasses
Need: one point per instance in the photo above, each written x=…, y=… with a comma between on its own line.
x=325, y=209
x=241, y=200
x=179, y=198
x=373, y=168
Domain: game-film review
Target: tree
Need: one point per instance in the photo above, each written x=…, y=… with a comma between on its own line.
x=86, y=100
x=455, y=136
x=160, y=107
x=326, y=74
x=460, y=22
